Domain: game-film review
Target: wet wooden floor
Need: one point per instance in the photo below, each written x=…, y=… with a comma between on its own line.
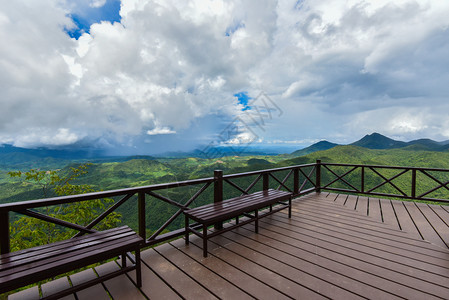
x=334, y=246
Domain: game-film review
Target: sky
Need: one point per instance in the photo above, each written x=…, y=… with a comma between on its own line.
x=148, y=76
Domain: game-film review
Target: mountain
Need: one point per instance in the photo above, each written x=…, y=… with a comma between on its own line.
x=429, y=145
x=378, y=141
x=358, y=155
x=77, y=153
x=320, y=146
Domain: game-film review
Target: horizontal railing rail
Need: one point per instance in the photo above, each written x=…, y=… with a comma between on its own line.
x=420, y=182
x=386, y=181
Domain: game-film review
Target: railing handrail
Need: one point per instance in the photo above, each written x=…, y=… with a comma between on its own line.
x=229, y=176
x=386, y=167
x=98, y=195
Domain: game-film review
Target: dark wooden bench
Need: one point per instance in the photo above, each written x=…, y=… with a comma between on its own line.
x=21, y=268
x=209, y=214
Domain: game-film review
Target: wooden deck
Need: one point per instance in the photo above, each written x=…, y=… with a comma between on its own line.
x=334, y=246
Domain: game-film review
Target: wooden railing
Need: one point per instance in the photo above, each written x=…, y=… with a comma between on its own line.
x=385, y=181
x=298, y=180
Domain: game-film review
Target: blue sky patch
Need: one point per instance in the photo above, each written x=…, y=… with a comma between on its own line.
x=243, y=99
x=85, y=15
x=231, y=29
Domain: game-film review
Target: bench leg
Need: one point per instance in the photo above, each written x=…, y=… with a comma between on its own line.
x=237, y=220
x=256, y=215
x=138, y=269
x=124, y=260
x=204, y=240
x=187, y=230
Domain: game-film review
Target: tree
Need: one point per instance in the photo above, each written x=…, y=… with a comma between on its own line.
x=28, y=232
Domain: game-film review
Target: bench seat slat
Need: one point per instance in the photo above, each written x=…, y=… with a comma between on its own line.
x=242, y=199
x=236, y=206
x=229, y=214
x=233, y=204
x=44, y=248
x=224, y=203
x=56, y=267
x=32, y=265
x=65, y=256
x=60, y=250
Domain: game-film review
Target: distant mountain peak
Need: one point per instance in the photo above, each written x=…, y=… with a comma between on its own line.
x=378, y=141
x=320, y=146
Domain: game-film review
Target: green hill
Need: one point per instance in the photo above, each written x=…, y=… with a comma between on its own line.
x=322, y=145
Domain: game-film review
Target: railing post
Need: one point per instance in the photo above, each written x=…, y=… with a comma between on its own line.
x=295, y=181
x=141, y=212
x=362, y=184
x=4, y=232
x=265, y=182
x=318, y=176
x=218, y=192
x=413, y=183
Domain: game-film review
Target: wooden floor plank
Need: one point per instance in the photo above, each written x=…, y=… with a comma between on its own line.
x=178, y=280
x=423, y=225
x=214, y=283
x=28, y=294
x=388, y=214
x=154, y=287
x=238, y=256
x=55, y=286
x=351, y=202
x=435, y=222
x=411, y=256
x=362, y=205
x=345, y=226
x=367, y=269
x=441, y=212
x=426, y=251
x=374, y=209
x=341, y=199
x=93, y=292
x=348, y=219
x=321, y=207
x=405, y=222
x=119, y=287
x=229, y=272
x=328, y=272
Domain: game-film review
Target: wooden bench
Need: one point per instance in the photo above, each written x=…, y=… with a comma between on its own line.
x=21, y=268
x=209, y=214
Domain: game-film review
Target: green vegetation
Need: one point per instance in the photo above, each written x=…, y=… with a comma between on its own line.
x=29, y=232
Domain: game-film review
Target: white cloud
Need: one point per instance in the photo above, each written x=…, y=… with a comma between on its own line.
x=97, y=3
x=338, y=69
x=163, y=130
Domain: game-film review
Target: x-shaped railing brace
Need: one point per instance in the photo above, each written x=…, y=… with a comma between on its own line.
x=341, y=178
x=388, y=180
x=436, y=188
